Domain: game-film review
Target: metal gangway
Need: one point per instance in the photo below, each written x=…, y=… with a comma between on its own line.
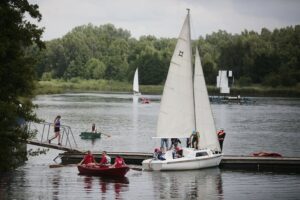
x=44, y=131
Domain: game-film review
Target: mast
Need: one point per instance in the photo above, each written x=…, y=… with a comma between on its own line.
x=189, y=24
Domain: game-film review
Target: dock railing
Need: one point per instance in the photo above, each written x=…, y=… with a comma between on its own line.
x=45, y=131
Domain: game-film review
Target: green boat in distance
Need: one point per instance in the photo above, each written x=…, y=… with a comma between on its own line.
x=90, y=135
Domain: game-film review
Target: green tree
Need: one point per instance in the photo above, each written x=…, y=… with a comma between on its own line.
x=16, y=77
x=95, y=69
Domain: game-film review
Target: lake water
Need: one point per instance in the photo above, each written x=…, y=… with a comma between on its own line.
x=269, y=124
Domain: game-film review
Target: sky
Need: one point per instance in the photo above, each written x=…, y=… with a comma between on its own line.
x=164, y=18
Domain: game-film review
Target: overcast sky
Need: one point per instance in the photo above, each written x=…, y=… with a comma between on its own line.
x=164, y=18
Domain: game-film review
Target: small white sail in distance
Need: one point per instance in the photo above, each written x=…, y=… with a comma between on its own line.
x=136, y=82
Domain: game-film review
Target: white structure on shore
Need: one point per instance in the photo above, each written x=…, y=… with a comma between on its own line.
x=222, y=81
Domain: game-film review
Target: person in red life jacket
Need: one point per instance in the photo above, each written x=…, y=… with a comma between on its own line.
x=119, y=162
x=158, y=154
x=178, y=152
x=221, y=136
x=105, y=159
x=88, y=159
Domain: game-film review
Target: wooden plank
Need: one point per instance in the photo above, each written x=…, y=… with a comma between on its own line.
x=54, y=146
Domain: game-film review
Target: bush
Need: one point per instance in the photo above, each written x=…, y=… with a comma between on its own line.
x=47, y=76
x=244, y=81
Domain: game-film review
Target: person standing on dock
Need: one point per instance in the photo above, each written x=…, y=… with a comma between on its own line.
x=221, y=136
x=56, y=129
x=164, y=142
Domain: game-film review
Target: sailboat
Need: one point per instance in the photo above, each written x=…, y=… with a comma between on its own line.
x=136, y=90
x=185, y=108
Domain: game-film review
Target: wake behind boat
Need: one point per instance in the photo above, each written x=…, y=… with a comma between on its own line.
x=97, y=170
x=185, y=108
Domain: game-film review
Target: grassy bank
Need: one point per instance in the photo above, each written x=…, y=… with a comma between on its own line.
x=79, y=85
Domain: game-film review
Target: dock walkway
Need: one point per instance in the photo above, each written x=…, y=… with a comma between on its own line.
x=229, y=162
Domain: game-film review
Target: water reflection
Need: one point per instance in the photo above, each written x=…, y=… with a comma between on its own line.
x=55, y=184
x=106, y=184
x=198, y=184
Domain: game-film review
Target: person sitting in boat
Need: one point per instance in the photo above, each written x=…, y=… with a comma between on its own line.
x=194, y=138
x=221, y=136
x=105, y=159
x=158, y=154
x=119, y=162
x=94, y=130
x=178, y=152
x=88, y=159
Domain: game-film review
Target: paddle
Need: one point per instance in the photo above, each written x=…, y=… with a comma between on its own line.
x=60, y=165
x=105, y=134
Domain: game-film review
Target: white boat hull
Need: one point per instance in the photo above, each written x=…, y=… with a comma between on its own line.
x=185, y=163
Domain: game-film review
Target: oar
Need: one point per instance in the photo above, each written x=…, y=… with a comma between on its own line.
x=105, y=134
x=60, y=165
x=134, y=167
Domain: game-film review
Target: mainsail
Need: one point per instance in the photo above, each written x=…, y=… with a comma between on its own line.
x=136, y=81
x=204, y=118
x=176, y=117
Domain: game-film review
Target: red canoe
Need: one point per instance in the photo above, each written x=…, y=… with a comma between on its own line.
x=103, y=170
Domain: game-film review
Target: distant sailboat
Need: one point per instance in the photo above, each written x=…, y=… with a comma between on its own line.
x=136, y=90
x=184, y=108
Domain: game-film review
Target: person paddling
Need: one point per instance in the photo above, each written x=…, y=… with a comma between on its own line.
x=88, y=159
x=119, y=162
x=94, y=130
x=105, y=159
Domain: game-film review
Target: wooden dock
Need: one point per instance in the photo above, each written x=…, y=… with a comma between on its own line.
x=229, y=162
x=54, y=146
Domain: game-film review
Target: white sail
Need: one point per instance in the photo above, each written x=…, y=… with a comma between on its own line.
x=176, y=117
x=136, y=82
x=183, y=109
x=204, y=118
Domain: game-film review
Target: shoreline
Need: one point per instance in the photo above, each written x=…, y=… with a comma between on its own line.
x=108, y=86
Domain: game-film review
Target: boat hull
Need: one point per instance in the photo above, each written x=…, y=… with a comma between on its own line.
x=184, y=163
x=90, y=135
x=103, y=171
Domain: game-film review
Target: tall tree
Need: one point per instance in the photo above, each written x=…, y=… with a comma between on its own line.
x=16, y=77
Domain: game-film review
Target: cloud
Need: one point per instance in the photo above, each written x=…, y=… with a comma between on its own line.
x=163, y=18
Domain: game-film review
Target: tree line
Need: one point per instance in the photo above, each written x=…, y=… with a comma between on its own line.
x=105, y=52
